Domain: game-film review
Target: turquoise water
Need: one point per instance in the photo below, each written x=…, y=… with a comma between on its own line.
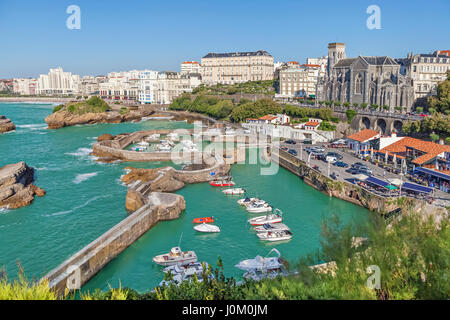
x=85, y=198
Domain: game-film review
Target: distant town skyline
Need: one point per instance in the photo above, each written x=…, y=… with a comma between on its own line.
x=120, y=36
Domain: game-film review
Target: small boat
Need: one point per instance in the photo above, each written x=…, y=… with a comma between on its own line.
x=173, y=136
x=275, y=235
x=175, y=256
x=203, y=220
x=259, y=207
x=246, y=201
x=143, y=144
x=272, y=227
x=180, y=273
x=207, y=228
x=260, y=268
x=221, y=183
x=269, y=218
x=234, y=191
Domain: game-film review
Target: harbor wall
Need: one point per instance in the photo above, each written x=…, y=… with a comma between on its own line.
x=82, y=266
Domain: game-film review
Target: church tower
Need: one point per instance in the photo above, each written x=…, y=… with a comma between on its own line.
x=336, y=52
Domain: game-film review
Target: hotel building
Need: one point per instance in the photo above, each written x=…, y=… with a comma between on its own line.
x=299, y=81
x=58, y=82
x=426, y=70
x=189, y=67
x=25, y=87
x=237, y=67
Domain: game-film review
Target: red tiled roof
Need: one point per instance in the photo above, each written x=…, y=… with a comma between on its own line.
x=312, y=123
x=363, y=135
x=431, y=149
x=190, y=62
x=268, y=117
x=312, y=65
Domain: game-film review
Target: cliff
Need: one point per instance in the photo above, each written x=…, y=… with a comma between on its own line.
x=16, y=186
x=6, y=125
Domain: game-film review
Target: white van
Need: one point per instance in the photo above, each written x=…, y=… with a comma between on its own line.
x=330, y=159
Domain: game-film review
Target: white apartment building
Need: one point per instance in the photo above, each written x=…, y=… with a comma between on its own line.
x=298, y=81
x=162, y=87
x=89, y=85
x=58, y=82
x=237, y=67
x=120, y=88
x=321, y=62
x=426, y=70
x=188, y=67
x=25, y=87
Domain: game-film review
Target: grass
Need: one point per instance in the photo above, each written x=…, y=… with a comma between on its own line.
x=93, y=105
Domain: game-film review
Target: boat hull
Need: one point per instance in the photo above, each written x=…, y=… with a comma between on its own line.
x=203, y=220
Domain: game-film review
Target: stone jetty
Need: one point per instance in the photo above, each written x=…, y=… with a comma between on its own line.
x=6, y=125
x=16, y=186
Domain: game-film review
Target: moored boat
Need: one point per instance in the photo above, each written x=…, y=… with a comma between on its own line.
x=203, y=220
x=275, y=235
x=246, y=201
x=269, y=218
x=221, y=183
x=272, y=227
x=260, y=268
x=180, y=273
x=259, y=207
x=175, y=256
x=207, y=228
x=234, y=191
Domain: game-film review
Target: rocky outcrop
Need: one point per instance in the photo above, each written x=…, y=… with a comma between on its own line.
x=6, y=125
x=64, y=118
x=16, y=186
x=105, y=137
x=161, y=179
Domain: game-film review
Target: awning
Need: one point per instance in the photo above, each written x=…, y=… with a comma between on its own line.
x=391, y=187
x=396, y=182
x=434, y=173
x=416, y=188
x=377, y=182
x=360, y=177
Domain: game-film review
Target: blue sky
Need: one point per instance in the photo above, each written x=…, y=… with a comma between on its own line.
x=120, y=35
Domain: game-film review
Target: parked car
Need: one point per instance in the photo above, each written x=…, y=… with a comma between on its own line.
x=293, y=152
x=334, y=175
x=330, y=159
x=335, y=154
x=352, y=171
x=290, y=141
x=365, y=171
x=359, y=165
x=319, y=149
x=320, y=156
x=284, y=148
x=341, y=164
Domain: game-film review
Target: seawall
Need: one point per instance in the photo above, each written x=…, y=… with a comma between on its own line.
x=77, y=270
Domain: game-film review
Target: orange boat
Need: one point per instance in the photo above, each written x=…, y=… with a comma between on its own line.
x=203, y=220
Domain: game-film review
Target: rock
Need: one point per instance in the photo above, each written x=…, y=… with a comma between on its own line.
x=6, y=125
x=16, y=188
x=105, y=137
x=64, y=118
x=161, y=179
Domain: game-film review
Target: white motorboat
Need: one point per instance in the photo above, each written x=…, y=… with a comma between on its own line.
x=269, y=218
x=207, y=228
x=259, y=207
x=180, y=273
x=234, y=191
x=275, y=235
x=260, y=268
x=246, y=201
x=143, y=143
x=272, y=227
x=175, y=256
x=173, y=136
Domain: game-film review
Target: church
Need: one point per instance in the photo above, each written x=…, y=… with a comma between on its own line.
x=371, y=80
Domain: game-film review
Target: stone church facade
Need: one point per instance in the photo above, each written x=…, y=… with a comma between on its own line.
x=371, y=80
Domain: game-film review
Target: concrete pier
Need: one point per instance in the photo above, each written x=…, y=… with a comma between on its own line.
x=73, y=273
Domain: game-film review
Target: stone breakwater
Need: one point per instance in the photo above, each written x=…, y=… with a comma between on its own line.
x=16, y=186
x=73, y=273
x=64, y=118
x=6, y=125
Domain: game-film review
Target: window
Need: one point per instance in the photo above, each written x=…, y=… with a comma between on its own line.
x=358, y=84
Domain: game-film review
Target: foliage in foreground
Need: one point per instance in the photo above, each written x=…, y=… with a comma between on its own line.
x=93, y=104
x=412, y=253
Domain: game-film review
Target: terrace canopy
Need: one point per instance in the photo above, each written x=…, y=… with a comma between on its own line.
x=416, y=188
x=377, y=182
x=434, y=173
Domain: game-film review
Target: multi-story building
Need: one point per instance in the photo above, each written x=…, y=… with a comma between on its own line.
x=298, y=81
x=123, y=86
x=426, y=70
x=25, y=87
x=88, y=86
x=188, y=67
x=372, y=80
x=237, y=67
x=163, y=87
x=58, y=82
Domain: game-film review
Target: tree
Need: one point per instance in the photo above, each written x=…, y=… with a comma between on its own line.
x=346, y=104
x=434, y=137
x=363, y=105
x=350, y=113
x=419, y=109
x=386, y=107
x=355, y=104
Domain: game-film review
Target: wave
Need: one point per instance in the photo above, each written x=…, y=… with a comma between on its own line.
x=81, y=152
x=4, y=210
x=32, y=126
x=60, y=213
x=83, y=177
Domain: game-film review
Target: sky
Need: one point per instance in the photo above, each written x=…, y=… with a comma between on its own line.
x=118, y=35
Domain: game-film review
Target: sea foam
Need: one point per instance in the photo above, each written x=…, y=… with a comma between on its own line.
x=60, y=213
x=83, y=177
